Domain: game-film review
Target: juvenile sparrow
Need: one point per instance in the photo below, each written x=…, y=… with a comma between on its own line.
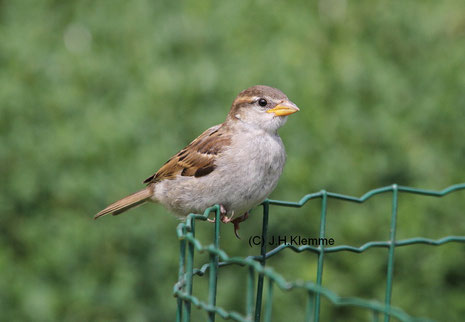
x=235, y=164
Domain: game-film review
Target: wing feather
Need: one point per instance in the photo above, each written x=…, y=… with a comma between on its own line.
x=197, y=159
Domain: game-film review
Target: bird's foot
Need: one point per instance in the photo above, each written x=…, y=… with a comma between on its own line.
x=237, y=221
x=224, y=219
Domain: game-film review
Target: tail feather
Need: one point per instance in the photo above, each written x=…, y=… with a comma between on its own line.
x=126, y=203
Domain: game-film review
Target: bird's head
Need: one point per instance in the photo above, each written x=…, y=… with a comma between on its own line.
x=262, y=106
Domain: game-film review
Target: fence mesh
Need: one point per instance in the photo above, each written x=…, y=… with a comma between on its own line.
x=254, y=310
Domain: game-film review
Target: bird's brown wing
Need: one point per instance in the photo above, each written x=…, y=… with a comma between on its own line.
x=197, y=159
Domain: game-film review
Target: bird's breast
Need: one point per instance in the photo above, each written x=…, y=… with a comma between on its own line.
x=253, y=165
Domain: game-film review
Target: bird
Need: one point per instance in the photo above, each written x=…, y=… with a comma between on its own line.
x=235, y=164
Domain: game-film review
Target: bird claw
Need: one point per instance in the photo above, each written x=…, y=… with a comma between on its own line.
x=224, y=219
x=237, y=221
x=236, y=228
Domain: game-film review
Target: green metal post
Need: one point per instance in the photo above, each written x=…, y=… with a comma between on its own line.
x=250, y=288
x=392, y=245
x=189, y=273
x=310, y=315
x=258, y=304
x=319, y=273
x=269, y=301
x=182, y=256
x=214, y=266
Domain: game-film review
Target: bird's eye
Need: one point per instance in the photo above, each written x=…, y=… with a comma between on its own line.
x=262, y=102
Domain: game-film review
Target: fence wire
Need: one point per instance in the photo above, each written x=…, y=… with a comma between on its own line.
x=256, y=264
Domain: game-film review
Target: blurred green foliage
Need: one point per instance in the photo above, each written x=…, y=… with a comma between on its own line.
x=96, y=95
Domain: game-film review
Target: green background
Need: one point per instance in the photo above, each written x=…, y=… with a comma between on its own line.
x=96, y=95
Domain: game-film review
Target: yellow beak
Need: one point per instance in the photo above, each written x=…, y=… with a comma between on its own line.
x=284, y=108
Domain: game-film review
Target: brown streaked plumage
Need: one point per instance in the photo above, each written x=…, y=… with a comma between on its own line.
x=235, y=164
x=196, y=159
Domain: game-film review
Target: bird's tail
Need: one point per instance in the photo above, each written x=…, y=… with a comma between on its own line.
x=127, y=203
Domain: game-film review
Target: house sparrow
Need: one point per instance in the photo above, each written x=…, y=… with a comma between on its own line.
x=236, y=164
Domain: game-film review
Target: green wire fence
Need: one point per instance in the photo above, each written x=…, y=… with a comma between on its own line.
x=256, y=264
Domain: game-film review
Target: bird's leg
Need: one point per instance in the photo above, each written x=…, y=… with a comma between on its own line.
x=224, y=219
x=237, y=221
